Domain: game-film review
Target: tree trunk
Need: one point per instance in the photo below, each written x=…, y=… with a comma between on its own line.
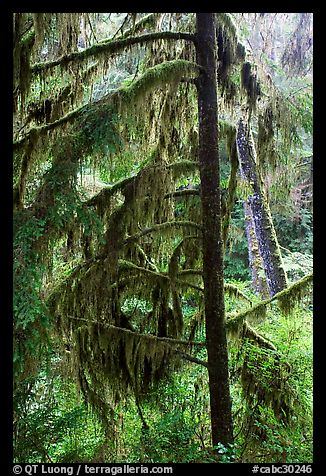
x=220, y=401
x=264, y=229
x=258, y=279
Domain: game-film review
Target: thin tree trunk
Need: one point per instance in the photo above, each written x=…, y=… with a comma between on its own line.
x=264, y=229
x=220, y=401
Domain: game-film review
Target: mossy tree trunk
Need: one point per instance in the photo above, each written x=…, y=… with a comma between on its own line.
x=220, y=401
x=264, y=229
x=258, y=278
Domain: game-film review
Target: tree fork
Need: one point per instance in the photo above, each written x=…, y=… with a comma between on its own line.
x=220, y=401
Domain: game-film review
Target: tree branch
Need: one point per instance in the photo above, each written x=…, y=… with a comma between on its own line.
x=162, y=226
x=153, y=78
x=41, y=130
x=110, y=48
x=192, y=359
x=182, y=193
x=251, y=334
x=142, y=335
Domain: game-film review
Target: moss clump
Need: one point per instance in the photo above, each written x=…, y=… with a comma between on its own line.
x=232, y=290
x=293, y=294
x=286, y=299
x=230, y=53
x=157, y=77
x=250, y=85
x=264, y=380
x=22, y=70
x=228, y=131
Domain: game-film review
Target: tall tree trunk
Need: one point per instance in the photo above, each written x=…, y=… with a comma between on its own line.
x=258, y=278
x=264, y=229
x=220, y=401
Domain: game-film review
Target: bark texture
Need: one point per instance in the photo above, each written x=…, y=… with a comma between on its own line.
x=258, y=278
x=267, y=241
x=220, y=401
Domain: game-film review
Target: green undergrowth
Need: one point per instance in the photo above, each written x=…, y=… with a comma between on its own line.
x=174, y=425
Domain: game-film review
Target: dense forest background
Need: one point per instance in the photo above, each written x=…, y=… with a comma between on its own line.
x=112, y=358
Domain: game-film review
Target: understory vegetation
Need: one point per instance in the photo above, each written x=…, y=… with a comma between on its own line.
x=112, y=358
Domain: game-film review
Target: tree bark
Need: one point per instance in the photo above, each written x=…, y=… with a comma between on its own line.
x=264, y=229
x=258, y=280
x=220, y=401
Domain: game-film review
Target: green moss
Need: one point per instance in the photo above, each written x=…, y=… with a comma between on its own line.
x=286, y=299
x=230, y=53
x=250, y=85
x=157, y=77
x=183, y=167
x=232, y=290
x=109, y=48
x=293, y=294
x=264, y=379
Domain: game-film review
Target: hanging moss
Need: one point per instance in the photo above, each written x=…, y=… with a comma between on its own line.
x=293, y=294
x=119, y=361
x=246, y=76
x=42, y=26
x=109, y=48
x=232, y=290
x=147, y=21
x=249, y=333
x=22, y=71
x=230, y=53
x=228, y=131
x=156, y=77
x=255, y=313
x=264, y=380
x=250, y=85
x=265, y=130
x=286, y=299
x=225, y=20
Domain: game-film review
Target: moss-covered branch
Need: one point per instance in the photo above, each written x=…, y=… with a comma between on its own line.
x=182, y=193
x=193, y=359
x=153, y=78
x=107, y=192
x=163, y=226
x=125, y=265
x=294, y=293
x=250, y=333
x=169, y=340
x=128, y=265
x=42, y=130
x=287, y=299
x=230, y=289
x=110, y=48
x=156, y=77
x=181, y=167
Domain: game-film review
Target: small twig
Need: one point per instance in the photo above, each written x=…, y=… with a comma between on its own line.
x=192, y=359
x=121, y=27
x=91, y=27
